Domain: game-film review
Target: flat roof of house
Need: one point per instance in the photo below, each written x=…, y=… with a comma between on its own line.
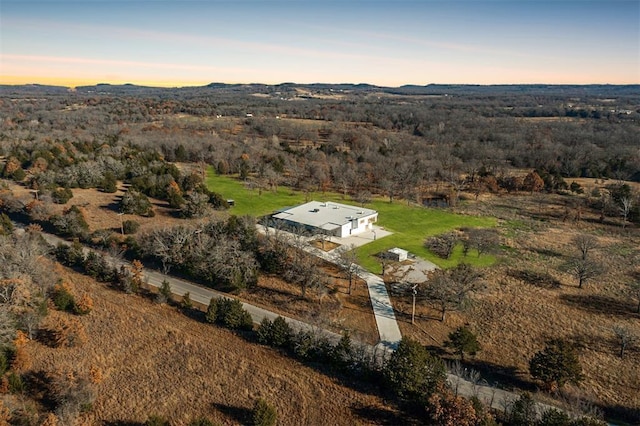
x=324, y=215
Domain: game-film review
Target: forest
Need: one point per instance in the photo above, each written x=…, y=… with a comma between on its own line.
x=136, y=174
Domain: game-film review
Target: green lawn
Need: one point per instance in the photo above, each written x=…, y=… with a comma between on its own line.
x=410, y=224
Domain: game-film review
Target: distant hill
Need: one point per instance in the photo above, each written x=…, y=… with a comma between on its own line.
x=35, y=89
x=603, y=90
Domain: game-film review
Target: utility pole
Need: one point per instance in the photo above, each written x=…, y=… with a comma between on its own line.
x=413, y=310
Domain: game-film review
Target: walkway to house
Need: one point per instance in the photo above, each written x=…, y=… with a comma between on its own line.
x=388, y=329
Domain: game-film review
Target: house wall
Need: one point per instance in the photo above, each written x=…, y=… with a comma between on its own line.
x=364, y=224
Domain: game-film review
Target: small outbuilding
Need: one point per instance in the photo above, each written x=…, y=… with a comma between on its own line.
x=397, y=254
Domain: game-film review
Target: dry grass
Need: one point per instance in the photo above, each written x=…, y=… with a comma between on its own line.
x=154, y=360
x=516, y=314
x=333, y=308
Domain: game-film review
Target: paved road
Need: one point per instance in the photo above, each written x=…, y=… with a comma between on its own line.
x=204, y=295
x=497, y=398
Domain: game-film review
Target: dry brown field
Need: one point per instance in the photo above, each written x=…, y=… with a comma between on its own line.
x=513, y=317
x=516, y=313
x=150, y=359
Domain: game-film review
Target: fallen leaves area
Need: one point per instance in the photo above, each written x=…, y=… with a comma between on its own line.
x=530, y=298
x=150, y=359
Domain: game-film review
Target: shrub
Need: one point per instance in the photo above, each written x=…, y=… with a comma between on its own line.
x=71, y=222
x=109, y=183
x=130, y=227
x=264, y=414
x=186, y=303
x=553, y=417
x=96, y=266
x=19, y=175
x=164, y=294
x=61, y=195
x=463, y=340
x=556, y=365
x=67, y=333
x=412, y=372
x=442, y=245
x=446, y=409
x=212, y=311
x=342, y=354
x=309, y=346
x=523, y=412
x=84, y=305
x=16, y=384
x=62, y=298
x=72, y=255
x=275, y=333
x=232, y=315
x=135, y=202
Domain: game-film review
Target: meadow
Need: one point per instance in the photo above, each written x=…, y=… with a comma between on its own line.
x=410, y=224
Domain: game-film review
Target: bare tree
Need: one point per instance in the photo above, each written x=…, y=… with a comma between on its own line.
x=483, y=240
x=347, y=259
x=626, y=337
x=585, y=244
x=7, y=326
x=583, y=267
x=449, y=290
x=626, y=204
x=584, y=270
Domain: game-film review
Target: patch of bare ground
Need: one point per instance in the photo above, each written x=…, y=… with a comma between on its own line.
x=530, y=298
x=154, y=360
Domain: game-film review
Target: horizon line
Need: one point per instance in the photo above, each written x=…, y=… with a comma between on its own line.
x=186, y=85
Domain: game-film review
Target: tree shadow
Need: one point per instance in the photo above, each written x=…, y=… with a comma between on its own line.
x=619, y=413
x=598, y=304
x=536, y=279
x=501, y=376
x=547, y=252
x=239, y=414
x=122, y=423
x=113, y=206
x=39, y=385
x=381, y=416
x=47, y=337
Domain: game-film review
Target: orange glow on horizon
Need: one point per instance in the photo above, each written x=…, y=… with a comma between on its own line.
x=75, y=82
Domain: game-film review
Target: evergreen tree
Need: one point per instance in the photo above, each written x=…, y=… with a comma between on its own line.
x=462, y=340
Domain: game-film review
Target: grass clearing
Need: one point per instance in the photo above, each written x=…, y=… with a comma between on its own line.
x=410, y=224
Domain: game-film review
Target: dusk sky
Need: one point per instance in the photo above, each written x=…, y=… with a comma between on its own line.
x=391, y=43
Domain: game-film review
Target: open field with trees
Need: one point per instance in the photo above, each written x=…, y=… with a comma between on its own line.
x=527, y=197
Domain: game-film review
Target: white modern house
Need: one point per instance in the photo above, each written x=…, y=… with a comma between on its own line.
x=336, y=219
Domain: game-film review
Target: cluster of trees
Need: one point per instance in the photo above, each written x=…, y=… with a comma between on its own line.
x=442, y=144
x=220, y=254
x=481, y=240
x=54, y=167
x=27, y=286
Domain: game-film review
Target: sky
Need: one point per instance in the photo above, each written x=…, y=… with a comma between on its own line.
x=382, y=42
